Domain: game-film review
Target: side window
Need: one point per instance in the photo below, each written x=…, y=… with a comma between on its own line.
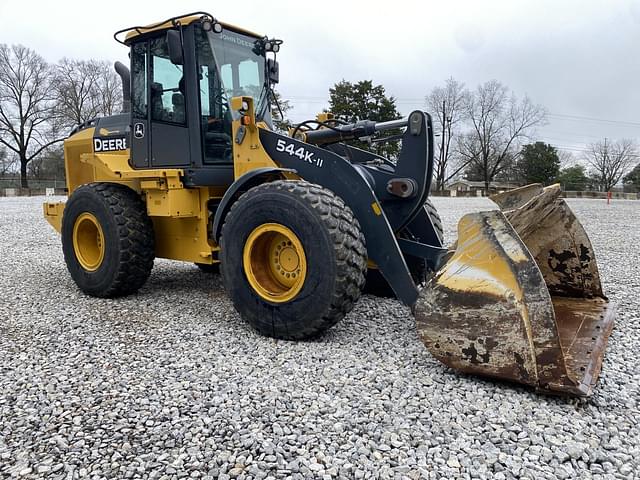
x=215, y=118
x=167, y=85
x=204, y=90
x=227, y=79
x=249, y=78
x=139, y=80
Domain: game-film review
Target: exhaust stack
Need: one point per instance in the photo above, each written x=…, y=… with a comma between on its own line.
x=125, y=76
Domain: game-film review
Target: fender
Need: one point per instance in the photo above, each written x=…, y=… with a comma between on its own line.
x=245, y=182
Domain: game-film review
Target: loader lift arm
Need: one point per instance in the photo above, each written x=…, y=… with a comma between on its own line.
x=364, y=188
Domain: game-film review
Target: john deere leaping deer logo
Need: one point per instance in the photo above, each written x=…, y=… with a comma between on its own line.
x=138, y=130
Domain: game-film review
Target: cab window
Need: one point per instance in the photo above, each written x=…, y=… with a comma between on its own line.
x=215, y=117
x=167, y=99
x=139, y=80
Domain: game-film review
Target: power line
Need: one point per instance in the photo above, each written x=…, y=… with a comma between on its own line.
x=410, y=100
x=565, y=141
x=542, y=131
x=565, y=116
x=585, y=150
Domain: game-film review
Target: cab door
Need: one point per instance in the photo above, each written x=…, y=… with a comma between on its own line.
x=159, y=130
x=168, y=108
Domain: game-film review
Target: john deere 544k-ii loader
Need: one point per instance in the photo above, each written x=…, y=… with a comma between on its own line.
x=193, y=171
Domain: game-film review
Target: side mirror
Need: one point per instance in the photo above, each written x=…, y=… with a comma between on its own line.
x=174, y=43
x=274, y=71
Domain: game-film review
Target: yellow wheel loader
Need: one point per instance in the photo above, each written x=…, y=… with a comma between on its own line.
x=299, y=224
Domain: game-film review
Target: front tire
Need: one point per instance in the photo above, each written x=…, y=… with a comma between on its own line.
x=293, y=259
x=107, y=239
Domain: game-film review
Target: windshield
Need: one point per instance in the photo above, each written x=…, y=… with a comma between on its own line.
x=241, y=69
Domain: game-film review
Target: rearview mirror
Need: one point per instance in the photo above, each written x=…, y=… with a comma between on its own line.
x=174, y=43
x=274, y=71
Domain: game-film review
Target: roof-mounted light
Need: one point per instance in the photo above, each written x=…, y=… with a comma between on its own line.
x=271, y=44
x=211, y=25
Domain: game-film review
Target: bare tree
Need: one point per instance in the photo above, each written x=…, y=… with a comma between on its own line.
x=86, y=89
x=566, y=158
x=499, y=125
x=26, y=113
x=448, y=103
x=611, y=160
x=49, y=165
x=7, y=162
x=110, y=89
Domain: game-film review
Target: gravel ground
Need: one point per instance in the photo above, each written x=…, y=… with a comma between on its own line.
x=171, y=383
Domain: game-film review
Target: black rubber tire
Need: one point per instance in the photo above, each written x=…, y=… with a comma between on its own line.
x=128, y=238
x=378, y=286
x=432, y=211
x=334, y=248
x=208, y=267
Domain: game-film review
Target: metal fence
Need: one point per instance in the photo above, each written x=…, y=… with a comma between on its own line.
x=10, y=187
x=34, y=183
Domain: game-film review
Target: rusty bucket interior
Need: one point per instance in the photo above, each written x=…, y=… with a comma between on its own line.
x=520, y=297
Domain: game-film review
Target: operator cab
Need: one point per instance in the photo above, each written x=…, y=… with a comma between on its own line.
x=183, y=75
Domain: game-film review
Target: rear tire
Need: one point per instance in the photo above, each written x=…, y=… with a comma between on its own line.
x=376, y=283
x=107, y=239
x=326, y=251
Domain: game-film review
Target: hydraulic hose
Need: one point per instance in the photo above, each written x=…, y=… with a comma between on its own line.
x=351, y=131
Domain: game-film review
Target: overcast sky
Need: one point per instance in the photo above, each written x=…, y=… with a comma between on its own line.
x=579, y=58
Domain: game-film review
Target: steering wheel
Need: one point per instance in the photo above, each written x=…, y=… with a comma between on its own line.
x=219, y=98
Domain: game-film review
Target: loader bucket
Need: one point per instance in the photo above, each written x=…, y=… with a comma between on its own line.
x=520, y=298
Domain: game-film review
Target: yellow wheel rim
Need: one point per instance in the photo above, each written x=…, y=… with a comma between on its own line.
x=274, y=262
x=88, y=241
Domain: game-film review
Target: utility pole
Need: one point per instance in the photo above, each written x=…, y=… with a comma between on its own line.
x=605, y=163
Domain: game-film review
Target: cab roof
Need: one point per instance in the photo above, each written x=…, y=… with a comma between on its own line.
x=134, y=32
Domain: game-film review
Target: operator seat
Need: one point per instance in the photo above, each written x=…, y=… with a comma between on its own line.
x=157, y=106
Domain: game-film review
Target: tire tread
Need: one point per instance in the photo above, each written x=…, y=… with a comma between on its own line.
x=135, y=237
x=348, y=245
